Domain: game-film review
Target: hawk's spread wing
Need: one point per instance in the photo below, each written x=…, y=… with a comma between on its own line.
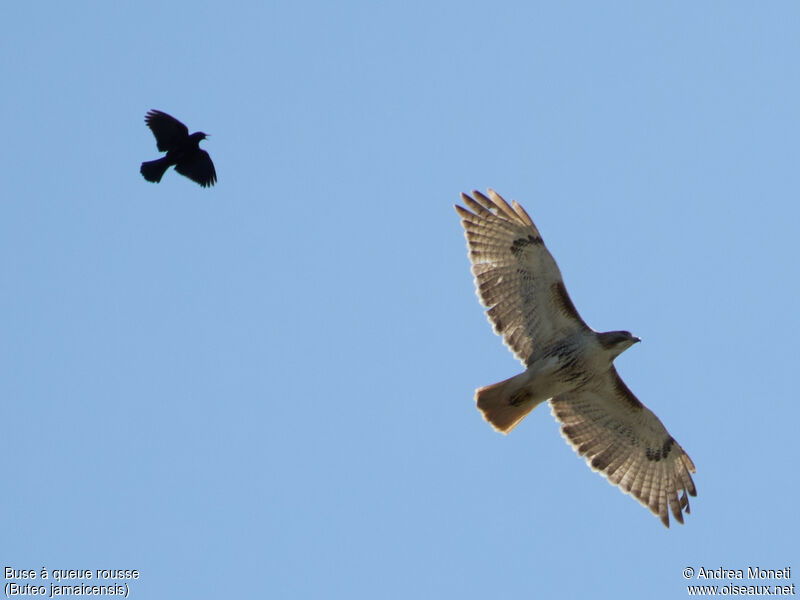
x=622, y=439
x=515, y=276
x=168, y=131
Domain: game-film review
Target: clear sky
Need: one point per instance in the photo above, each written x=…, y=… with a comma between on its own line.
x=265, y=389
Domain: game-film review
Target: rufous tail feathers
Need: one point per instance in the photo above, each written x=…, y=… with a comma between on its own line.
x=506, y=403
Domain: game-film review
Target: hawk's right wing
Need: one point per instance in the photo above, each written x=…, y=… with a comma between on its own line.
x=516, y=277
x=622, y=439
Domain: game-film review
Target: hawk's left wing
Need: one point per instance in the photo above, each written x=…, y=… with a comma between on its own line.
x=622, y=439
x=516, y=277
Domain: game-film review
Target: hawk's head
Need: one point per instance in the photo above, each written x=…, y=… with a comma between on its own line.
x=616, y=342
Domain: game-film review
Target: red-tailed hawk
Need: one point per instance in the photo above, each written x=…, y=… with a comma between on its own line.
x=566, y=361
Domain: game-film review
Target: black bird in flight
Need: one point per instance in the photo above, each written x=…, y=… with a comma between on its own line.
x=182, y=150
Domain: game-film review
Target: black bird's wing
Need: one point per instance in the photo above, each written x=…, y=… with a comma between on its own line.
x=169, y=132
x=198, y=167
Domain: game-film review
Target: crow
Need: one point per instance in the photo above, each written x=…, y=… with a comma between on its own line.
x=182, y=150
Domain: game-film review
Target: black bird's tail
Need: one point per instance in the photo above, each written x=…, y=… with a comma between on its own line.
x=154, y=170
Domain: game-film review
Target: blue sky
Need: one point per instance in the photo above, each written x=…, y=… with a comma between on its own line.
x=265, y=389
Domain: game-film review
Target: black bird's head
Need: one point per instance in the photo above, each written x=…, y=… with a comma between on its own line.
x=616, y=342
x=198, y=136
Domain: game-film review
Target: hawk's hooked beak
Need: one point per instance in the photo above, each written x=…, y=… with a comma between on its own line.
x=636, y=340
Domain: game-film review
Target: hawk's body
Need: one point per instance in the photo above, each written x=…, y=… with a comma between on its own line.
x=567, y=362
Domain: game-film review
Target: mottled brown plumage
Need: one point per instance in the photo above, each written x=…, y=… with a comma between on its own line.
x=567, y=362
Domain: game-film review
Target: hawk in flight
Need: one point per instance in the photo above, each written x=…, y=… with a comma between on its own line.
x=566, y=361
x=183, y=151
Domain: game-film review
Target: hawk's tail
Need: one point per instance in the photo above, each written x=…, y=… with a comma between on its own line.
x=505, y=404
x=154, y=170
